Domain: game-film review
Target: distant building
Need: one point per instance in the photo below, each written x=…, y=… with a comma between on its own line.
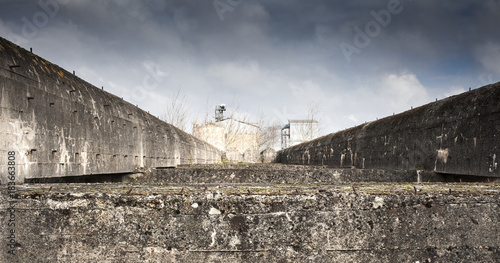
x=242, y=140
x=238, y=140
x=211, y=133
x=298, y=131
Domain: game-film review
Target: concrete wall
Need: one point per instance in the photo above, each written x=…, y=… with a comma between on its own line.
x=59, y=125
x=456, y=135
x=278, y=174
x=141, y=223
x=268, y=155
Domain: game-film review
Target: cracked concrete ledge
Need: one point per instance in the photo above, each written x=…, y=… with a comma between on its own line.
x=278, y=174
x=361, y=222
x=289, y=174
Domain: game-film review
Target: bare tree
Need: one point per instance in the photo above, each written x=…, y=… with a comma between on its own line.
x=238, y=127
x=309, y=129
x=269, y=130
x=177, y=111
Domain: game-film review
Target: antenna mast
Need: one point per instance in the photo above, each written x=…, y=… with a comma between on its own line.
x=219, y=112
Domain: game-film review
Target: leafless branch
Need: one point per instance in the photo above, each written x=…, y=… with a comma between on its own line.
x=177, y=111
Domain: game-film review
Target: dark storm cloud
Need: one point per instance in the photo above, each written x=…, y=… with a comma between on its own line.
x=280, y=56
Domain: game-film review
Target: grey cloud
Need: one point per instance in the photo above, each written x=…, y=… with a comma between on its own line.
x=272, y=54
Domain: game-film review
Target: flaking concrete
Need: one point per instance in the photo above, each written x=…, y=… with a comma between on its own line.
x=281, y=223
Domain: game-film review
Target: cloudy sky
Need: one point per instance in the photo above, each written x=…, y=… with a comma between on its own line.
x=354, y=60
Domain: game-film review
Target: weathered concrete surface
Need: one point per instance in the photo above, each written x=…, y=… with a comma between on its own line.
x=456, y=135
x=285, y=223
x=60, y=125
x=268, y=156
x=277, y=174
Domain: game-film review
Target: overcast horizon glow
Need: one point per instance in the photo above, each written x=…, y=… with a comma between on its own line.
x=359, y=60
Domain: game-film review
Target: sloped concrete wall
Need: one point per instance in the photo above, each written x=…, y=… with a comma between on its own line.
x=59, y=125
x=456, y=135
